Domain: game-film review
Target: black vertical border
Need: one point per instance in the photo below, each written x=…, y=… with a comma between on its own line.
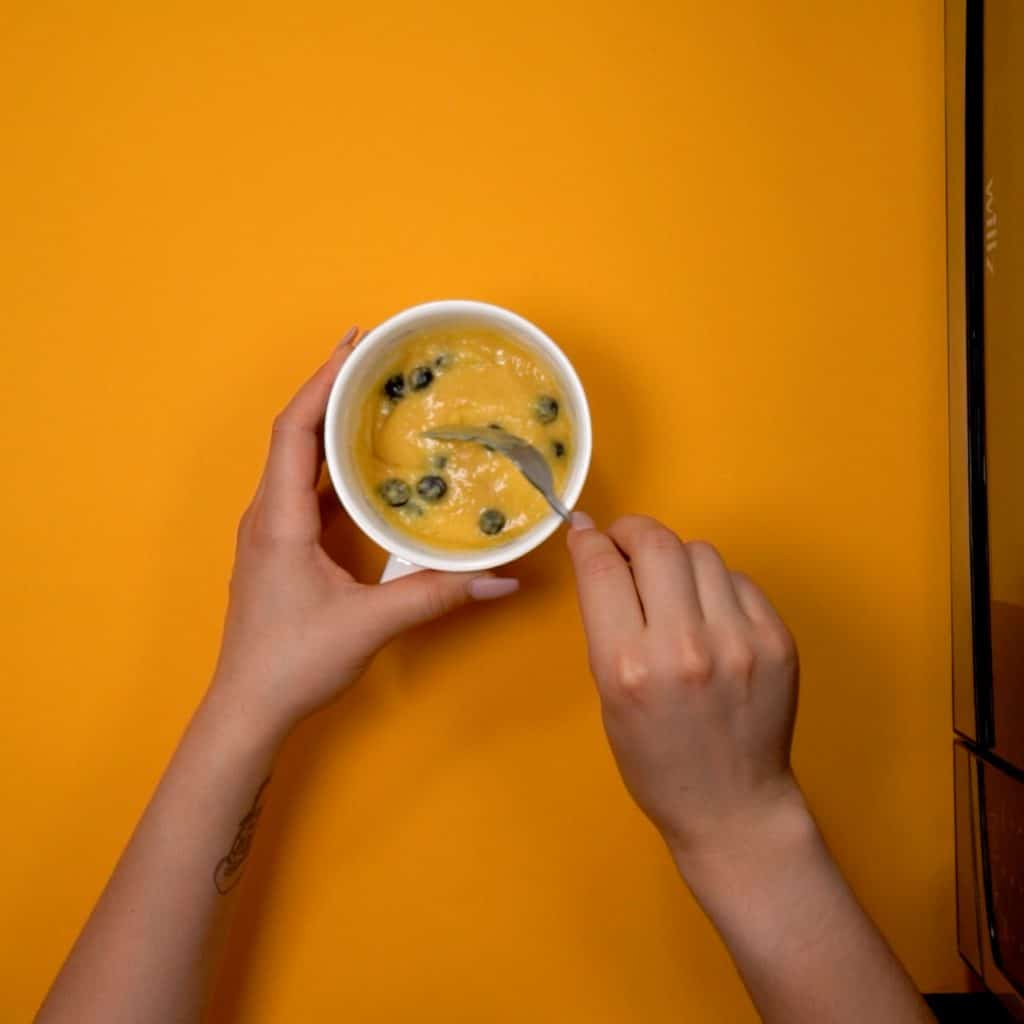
x=974, y=267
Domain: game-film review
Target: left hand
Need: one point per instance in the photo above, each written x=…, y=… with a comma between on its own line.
x=299, y=628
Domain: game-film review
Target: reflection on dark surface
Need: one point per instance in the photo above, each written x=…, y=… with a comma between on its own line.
x=1008, y=673
x=1004, y=363
x=1004, y=837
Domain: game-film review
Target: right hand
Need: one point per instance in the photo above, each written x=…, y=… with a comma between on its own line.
x=697, y=675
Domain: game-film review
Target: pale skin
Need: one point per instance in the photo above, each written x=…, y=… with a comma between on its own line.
x=697, y=677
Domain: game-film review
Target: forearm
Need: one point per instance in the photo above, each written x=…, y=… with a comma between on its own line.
x=805, y=949
x=145, y=953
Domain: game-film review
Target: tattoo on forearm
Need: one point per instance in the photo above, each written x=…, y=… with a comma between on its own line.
x=228, y=872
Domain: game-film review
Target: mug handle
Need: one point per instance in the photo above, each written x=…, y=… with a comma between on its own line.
x=396, y=567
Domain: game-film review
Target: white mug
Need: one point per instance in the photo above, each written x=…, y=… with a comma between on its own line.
x=362, y=371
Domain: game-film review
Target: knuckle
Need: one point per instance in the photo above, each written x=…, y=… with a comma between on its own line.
x=778, y=645
x=260, y=536
x=282, y=424
x=693, y=664
x=648, y=533
x=601, y=565
x=702, y=549
x=738, y=661
x=242, y=529
x=434, y=600
x=661, y=540
x=629, y=679
x=630, y=523
x=256, y=532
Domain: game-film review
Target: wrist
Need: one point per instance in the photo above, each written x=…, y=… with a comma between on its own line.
x=768, y=882
x=777, y=829
x=225, y=714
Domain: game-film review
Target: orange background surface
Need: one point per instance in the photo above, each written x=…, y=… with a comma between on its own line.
x=730, y=216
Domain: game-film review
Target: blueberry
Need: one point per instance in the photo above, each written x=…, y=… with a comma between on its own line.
x=394, y=386
x=491, y=521
x=546, y=409
x=395, y=492
x=420, y=378
x=558, y=448
x=431, y=488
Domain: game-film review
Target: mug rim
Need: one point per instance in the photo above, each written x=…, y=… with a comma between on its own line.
x=390, y=540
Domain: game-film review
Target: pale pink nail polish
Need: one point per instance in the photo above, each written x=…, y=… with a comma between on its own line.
x=487, y=588
x=581, y=521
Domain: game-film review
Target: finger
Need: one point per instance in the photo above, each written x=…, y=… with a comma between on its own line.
x=662, y=569
x=362, y=336
x=328, y=506
x=715, y=590
x=423, y=596
x=755, y=605
x=608, y=599
x=293, y=464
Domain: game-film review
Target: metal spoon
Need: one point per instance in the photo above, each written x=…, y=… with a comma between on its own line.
x=531, y=463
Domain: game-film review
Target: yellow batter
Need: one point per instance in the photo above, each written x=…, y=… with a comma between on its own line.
x=458, y=494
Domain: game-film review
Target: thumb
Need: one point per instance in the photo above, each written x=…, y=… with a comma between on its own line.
x=422, y=596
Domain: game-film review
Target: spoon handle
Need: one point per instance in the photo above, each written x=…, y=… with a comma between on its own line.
x=558, y=507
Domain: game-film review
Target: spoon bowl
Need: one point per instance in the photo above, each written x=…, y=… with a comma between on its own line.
x=531, y=463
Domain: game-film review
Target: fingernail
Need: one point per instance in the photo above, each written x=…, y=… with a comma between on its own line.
x=487, y=588
x=581, y=521
x=350, y=336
